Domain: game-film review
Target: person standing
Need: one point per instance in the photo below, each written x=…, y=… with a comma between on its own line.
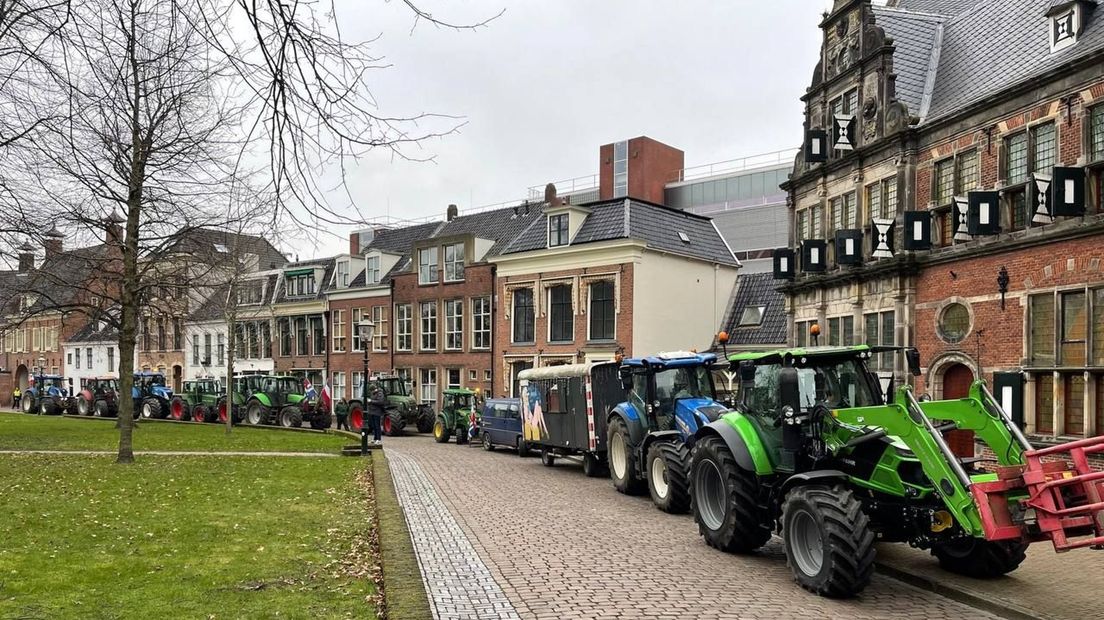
x=341, y=410
x=377, y=402
x=17, y=395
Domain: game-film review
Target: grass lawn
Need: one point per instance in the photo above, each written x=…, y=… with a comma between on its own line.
x=19, y=431
x=182, y=537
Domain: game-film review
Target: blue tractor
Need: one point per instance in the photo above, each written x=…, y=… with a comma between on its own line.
x=152, y=398
x=47, y=395
x=649, y=436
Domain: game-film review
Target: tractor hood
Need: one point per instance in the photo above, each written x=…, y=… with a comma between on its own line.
x=705, y=408
x=56, y=392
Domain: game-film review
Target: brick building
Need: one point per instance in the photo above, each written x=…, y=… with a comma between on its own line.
x=444, y=309
x=586, y=282
x=298, y=341
x=983, y=172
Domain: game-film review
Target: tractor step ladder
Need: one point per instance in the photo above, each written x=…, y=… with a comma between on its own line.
x=1063, y=498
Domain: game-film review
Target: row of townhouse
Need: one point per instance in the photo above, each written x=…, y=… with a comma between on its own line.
x=952, y=200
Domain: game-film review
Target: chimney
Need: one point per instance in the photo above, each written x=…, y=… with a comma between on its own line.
x=550, y=195
x=113, y=229
x=354, y=243
x=451, y=213
x=54, y=242
x=26, y=257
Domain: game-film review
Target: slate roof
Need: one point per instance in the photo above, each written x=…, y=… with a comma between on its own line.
x=55, y=283
x=657, y=226
x=214, y=307
x=757, y=289
x=93, y=331
x=202, y=242
x=985, y=47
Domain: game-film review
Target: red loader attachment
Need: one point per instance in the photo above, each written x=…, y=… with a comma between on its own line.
x=1058, y=500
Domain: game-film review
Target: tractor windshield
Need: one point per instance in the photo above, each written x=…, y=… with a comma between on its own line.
x=393, y=386
x=53, y=382
x=845, y=385
x=678, y=383
x=462, y=401
x=152, y=380
x=289, y=385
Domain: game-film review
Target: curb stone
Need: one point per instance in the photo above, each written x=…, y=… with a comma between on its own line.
x=966, y=597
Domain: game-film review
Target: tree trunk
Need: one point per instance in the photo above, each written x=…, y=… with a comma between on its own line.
x=231, y=325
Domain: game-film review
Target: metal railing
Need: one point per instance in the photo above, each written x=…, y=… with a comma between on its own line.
x=751, y=162
x=566, y=186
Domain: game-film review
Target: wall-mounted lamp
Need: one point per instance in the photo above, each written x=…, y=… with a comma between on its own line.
x=1002, y=283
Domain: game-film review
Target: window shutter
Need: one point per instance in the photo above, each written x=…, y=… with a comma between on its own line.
x=918, y=230
x=984, y=213
x=1068, y=192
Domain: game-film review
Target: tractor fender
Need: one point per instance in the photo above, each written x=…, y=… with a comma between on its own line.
x=657, y=436
x=819, y=476
x=262, y=398
x=629, y=415
x=736, y=444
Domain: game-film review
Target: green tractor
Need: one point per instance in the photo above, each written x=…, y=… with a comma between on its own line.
x=282, y=400
x=817, y=451
x=402, y=408
x=457, y=413
x=200, y=400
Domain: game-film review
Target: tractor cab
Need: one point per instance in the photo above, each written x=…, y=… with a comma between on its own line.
x=457, y=411
x=392, y=386
x=150, y=384
x=50, y=385
x=672, y=391
x=100, y=386
x=283, y=390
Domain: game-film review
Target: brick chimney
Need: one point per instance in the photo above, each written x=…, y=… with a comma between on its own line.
x=550, y=198
x=54, y=242
x=113, y=229
x=26, y=257
x=451, y=213
x=354, y=243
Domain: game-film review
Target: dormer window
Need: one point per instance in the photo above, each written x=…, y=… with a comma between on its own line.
x=1065, y=21
x=427, y=266
x=372, y=270
x=299, y=284
x=557, y=230
x=250, y=292
x=454, y=262
x=342, y=279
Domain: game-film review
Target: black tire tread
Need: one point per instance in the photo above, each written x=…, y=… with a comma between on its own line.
x=987, y=560
x=746, y=527
x=850, y=542
x=677, y=458
x=631, y=484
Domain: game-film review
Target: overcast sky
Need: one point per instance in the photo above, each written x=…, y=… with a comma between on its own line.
x=547, y=83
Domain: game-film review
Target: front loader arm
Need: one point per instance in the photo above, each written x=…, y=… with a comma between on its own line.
x=971, y=414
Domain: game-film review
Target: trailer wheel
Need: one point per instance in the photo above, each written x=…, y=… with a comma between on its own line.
x=828, y=540
x=724, y=500
x=668, y=482
x=593, y=466
x=522, y=447
x=547, y=458
x=980, y=559
x=621, y=459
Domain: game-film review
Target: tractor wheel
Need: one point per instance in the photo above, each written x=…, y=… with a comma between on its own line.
x=522, y=447
x=256, y=414
x=177, y=409
x=320, y=421
x=425, y=423
x=668, y=480
x=151, y=408
x=27, y=404
x=199, y=413
x=356, y=417
x=46, y=407
x=980, y=559
x=547, y=458
x=393, y=424
x=84, y=406
x=828, y=540
x=441, y=433
x=593, y=466
x=724, y=500
x=100, y=409
x=291, y=417
x=621, y=459
x=487, y=445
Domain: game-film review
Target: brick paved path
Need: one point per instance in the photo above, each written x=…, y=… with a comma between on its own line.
x=560, y=545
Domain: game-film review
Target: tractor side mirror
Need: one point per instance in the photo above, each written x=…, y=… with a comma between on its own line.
x=789, y=389
x=912, y=357
x=626, y=379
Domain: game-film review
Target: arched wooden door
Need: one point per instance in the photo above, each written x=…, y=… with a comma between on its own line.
x=957, y=380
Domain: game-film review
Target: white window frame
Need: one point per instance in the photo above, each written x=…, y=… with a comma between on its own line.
x=427, y=385
x=339, y=331
x=454, y=266
x=428, y=272
x=454, y=324
x=372, y=270
x=379, y=336
x=423, y=322
x=449, y=385
x=338, y=386
x=341, y=277
x=621, y=159
x=356, y=387
x=404, y=327
x=481, y=324
x=355, y=317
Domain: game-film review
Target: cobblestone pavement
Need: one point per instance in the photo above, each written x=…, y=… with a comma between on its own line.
x=457, y=580
x=560, y=545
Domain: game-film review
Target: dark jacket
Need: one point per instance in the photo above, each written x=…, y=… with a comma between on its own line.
x=377, y=402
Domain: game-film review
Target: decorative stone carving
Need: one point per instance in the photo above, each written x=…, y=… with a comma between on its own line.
x=873, y=39
x=870, y=119
x=896, y=117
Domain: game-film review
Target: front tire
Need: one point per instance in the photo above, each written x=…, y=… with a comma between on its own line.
x=441, y=433
x=724, y=500
x=291, y=417
x=100, y=409
x=980, y=559
x=621, y=459
x=425, y=423
x=828, y=540
x=668, y=479
x=321, y=421
x=151, y=408
x=199, y=413
x=256, y=414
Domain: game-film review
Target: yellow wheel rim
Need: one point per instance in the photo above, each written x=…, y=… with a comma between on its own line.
x=438, y=429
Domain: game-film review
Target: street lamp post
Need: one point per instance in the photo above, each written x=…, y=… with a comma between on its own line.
x=366, y=329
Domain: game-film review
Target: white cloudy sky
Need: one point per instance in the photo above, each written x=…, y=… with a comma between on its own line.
x=545, y=84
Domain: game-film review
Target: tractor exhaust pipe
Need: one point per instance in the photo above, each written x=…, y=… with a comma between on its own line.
x=918, y=415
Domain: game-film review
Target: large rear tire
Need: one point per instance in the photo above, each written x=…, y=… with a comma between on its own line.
x=441, y=433
x=980, y=559
x=621, y=459
x=356, y=417
x=27, y=404
x=425, y=422
x=724, y=500
x=828, y=540
x=668, y=476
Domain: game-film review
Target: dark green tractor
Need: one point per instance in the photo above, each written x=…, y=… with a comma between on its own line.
x=200, y=400
x=457, y=411
x=817, y=451
x=402, y=408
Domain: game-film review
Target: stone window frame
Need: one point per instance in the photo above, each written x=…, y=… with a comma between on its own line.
x=508, y=305
x=938, y=320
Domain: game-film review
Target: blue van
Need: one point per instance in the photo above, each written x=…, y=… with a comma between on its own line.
x=502, y=425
